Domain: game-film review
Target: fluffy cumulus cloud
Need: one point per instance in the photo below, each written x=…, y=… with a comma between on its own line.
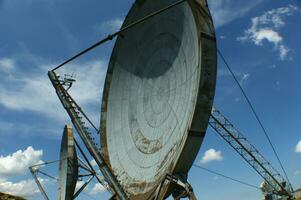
x=18, y=162
x=24, y=188
x=211, y=155
x=266, y=28
x=97, y=189
x=222, y=10
x=298, y=147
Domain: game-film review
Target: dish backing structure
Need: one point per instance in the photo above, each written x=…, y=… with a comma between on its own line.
x=68, y=166
x=158, y=95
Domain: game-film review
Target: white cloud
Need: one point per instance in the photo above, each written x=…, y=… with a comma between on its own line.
x=93, y=163
x=244, y=78
x=6, y=64
x=24, y=188
x=222, y=10
x=298, y=172
x=79, y=184
x=110, y=26
x=18, y=162
x=211, y=155
x=266, y=28
x=283, y=51
x=266, y=34
x=298, y=147
x=89, y=81
x=32, y=94
x=23, y=92
x=97, y=189
x=29, y=91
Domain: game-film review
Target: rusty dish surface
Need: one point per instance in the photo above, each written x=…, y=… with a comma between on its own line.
x=158, y=94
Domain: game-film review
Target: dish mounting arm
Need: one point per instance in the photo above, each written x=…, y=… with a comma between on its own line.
x=76, y=115
x=34, y=175
x=249, y=153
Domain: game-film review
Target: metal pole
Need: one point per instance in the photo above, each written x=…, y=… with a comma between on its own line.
x=34, y=175
x=49, y=176
x=72, y=109
x=86, y=168
x=47, y=163
x=83, y=154
x=83, y=187
x=91, y=167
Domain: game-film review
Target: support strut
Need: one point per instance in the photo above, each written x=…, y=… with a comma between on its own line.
x=34, y=175
x=76, y=115
x=249, y=153
x=185, y=189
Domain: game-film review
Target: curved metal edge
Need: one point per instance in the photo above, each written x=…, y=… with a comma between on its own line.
x=206, y=92
x=208, y=62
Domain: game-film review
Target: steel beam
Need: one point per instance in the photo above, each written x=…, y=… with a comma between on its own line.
x=74, y=112
x=34, y=175
x=248, y=152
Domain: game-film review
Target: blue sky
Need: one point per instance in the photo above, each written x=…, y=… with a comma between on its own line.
x=259, y=38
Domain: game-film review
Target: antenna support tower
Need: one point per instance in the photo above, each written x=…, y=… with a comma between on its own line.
x=76, y=115
x=249, y=153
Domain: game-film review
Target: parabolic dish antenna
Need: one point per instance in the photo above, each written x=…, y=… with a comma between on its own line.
x=68, y=166
x=158, y=94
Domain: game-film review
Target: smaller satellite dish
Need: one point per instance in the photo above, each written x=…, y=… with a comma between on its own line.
x=68, y=169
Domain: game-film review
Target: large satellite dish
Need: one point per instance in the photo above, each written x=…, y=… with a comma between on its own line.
x=68, y=166
x=158, y=94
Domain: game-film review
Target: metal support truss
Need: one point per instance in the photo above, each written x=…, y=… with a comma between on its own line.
x=76, y=115
x=84, y=165
x=185, y=189
x=83, y=187
x=249, y=153
x=34, y=175
x=34, y=170
x=90, y=167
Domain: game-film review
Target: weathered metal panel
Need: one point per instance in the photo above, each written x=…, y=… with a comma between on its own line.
x=68, y=169
x=158, y=94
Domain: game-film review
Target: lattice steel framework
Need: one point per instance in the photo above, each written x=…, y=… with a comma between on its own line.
x=249, y=153
x=78, y=118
